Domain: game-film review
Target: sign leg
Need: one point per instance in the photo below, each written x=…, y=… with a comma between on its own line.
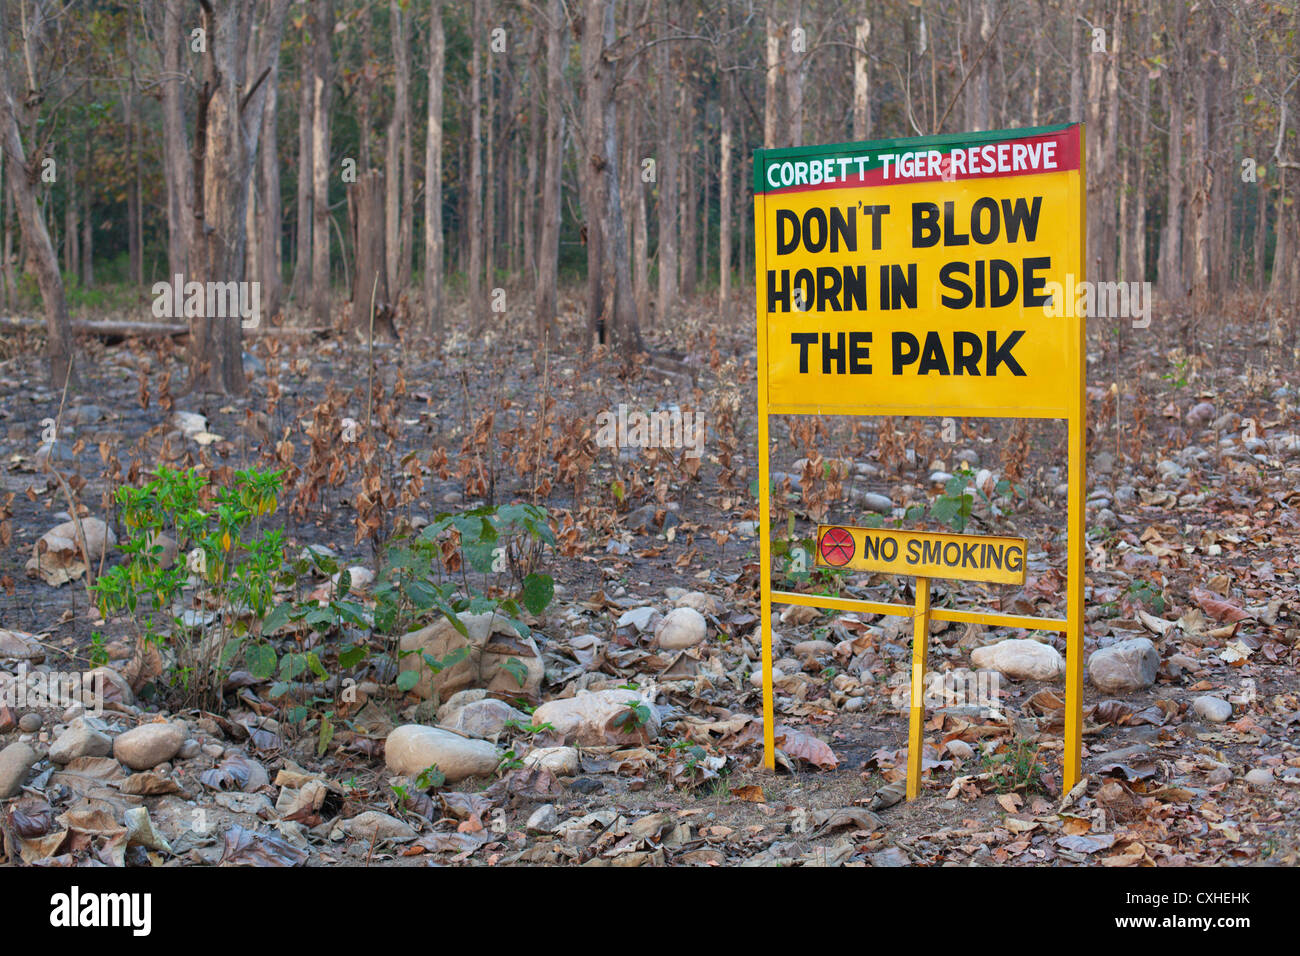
x=1074, y=608
x=916, y=726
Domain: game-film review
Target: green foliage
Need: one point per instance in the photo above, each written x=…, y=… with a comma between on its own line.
x=953, y=507
x=223, y=554
x=1016, y=768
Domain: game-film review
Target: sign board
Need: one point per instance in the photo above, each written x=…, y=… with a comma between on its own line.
x=925, y=276
x=923, y=554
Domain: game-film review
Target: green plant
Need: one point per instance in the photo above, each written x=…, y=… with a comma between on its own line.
x=634, y=718
x=222, y=553
x=1016, y=768
x=431, y=778
x=953, y=507
x=509, y=761
x=1178, y=377
x=98, y=653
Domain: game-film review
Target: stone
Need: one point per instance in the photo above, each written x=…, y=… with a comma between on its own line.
x=1220, y=774
x=1200, y=414
x=543, y=820
x=1020, y=659
x=1124, y=667
x=413, y=748
x=20, y=646
x=561, y=761
x=683, y=627
x=704, y=603
x=880, y=504
x=30, y=723
x=1259, y=778
x=15, y=761
x=148, y=745
x=960, y=749
x=380, y=827
x=458, y=700
x=1214, y=709
x=81, y=739
x=597, y=718
x=490, y=643
x=813, y=648
x=484, y=718
x=116, y=689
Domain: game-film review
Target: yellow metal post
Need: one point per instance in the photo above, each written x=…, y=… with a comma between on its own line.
x=764, y=485
x=916, y=727
x=1077, y=490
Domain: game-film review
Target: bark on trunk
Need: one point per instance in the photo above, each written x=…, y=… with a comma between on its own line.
x=433, y=242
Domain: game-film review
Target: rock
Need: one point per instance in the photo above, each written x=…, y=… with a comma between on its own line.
x=360, y=578
x=880, y=504
x=30, y=723
x=543, y=820
x=458, y=700
x=813, y=648
x=642, y=618
x=1214, y=709
x=15, y=761
x=704, y=603
x=116, y=689
x=683, y=627
x=1220, y=774
x=380, y=827
x=652, y=519
x=561, y=761
x=148, y=745
x=1200, y=413
x=597, y=718
x=491, y=643
x=189, y=750
x=413, y=748
x=484, y=718
x=1020, y=659
x=20, y=646
x=56, y=556
x=960, y=749
x=166, y=552
x=1124, y=667
x=1259, y=778
x=81, y=739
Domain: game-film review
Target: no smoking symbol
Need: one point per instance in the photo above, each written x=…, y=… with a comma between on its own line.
x=837, y=547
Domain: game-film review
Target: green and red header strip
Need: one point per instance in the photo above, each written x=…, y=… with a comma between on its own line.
x=892, y=162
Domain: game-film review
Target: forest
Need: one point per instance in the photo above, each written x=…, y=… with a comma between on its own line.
x=387, y=469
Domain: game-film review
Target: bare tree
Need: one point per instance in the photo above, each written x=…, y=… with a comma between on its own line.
x=227, y=130
x=433, y=254
x=23, y=178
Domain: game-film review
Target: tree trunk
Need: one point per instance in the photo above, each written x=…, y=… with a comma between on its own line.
x=396, y=205
x=322, y=14
x=724, y=202
x=626, y=333
x=227, y=132
x=31, y=219
x=1171, y=237
x=300, y=286
x=666, y=299
x=861, y=81
x=592, y=167
x=271, y=216
x=177, y=171
x=474, y=226
x=370, y=279
x=549, y=241
x=433, y=254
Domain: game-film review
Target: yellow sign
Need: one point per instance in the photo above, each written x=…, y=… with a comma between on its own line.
x=924, y=554
x=906, y=279
x=925, y=276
